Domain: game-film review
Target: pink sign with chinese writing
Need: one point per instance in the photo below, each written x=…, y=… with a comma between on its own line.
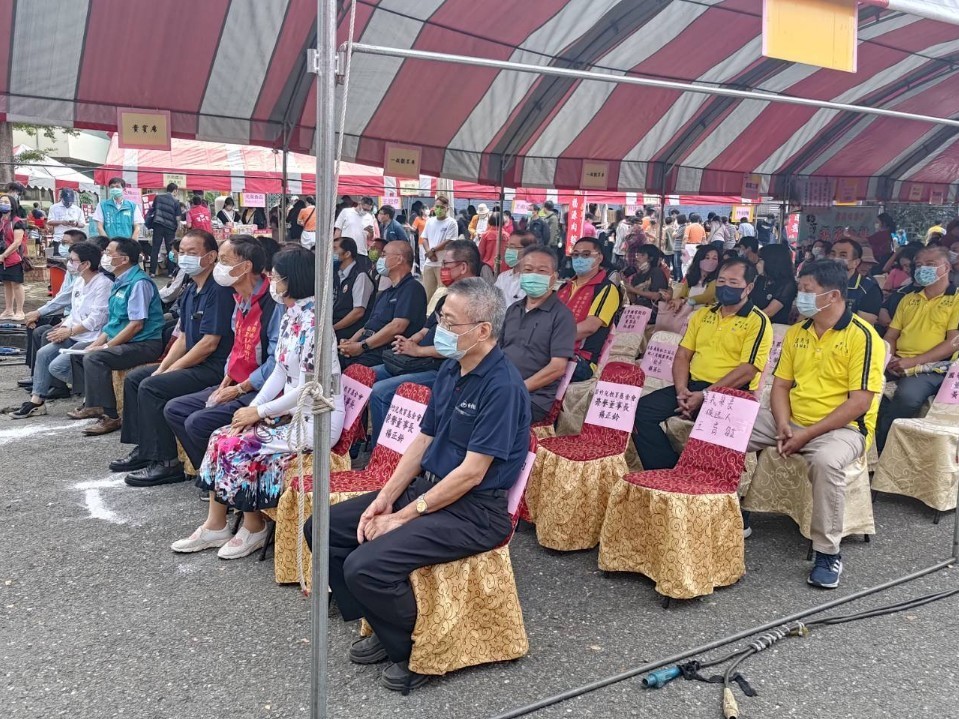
x=567, y=378
x=634, y=320
x=658, y=361
x=516, y=492
x=355, y=396
x=402, y=424
x=614, y=405
x=726, y=421
x=949, y=390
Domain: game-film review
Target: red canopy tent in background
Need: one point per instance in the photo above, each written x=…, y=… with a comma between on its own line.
x=49, y=174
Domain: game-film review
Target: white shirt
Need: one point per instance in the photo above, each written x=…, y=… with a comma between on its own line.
x=89, y=306
x=59, y=213
x=746, y=229
x=508, y=282
x=437, y=232
x=622, y=232
x=352, y=224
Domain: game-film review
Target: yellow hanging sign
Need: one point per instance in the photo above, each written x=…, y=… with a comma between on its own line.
x=814, y=32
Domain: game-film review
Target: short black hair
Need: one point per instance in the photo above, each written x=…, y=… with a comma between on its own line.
x=681, y=219
x=100, y=241
x=829, y=274
x=209, y=241
x=749, y=243
x=196, y=200
x=76, y=235
x=388, y=211
x=856, y=247
x=229, y=201
x=295, y=264
x=247, y=248
x=695, y=217
x=749, y=269
x=466, y=251
x=171, y=187
x=597, y=245
x=348, y=244
x=117, y=181
x=176, y=244
x=652, y=252
x=270, y=248
x=887, y=221
x=88, y=252
x=127, y=247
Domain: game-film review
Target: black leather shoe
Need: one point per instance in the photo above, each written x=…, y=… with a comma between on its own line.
x=156, y=474
x=131, y=462
x=367, y=651
x=397, y=677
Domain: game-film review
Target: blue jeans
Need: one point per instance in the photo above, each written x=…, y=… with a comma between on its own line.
x=677, y=266
x=383, y=390
x=52, y=368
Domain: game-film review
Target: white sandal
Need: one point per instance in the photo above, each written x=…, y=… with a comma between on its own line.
x=243, y=543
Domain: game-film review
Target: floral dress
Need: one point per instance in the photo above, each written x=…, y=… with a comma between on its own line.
x=246, y=471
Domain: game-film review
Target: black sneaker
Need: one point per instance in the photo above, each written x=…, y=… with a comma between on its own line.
x=397, y=677
x=368, y=651
x=28, y=409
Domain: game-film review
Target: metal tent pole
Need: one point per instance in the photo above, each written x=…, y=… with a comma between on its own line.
x=502, y=215
x=325, y=204
x=284, y=208
x=550, y=71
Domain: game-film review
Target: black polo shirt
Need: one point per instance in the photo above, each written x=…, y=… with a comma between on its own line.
x=531, y=339
x=767, y=290
x=863, y=295
x=208, y=312
x=405, y=300
x=486, y=411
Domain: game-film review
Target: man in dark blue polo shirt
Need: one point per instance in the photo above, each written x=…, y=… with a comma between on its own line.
x=447, y=498
x=398, y=310
x=194, y=362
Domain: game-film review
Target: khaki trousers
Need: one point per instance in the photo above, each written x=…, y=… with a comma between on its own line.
x=431, y=280
x=827, y=456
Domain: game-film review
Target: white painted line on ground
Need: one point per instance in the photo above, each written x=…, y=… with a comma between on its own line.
x=28, y=429
x=98, y=510
x=110, y=481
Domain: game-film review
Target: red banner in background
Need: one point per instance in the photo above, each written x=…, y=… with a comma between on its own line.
x=577, y=215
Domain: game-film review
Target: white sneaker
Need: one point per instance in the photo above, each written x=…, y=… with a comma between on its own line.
x=243, y=544
x=202, y=539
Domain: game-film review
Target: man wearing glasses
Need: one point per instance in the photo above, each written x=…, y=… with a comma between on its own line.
x=415, y=359
x=398, y=310
x=593, y=300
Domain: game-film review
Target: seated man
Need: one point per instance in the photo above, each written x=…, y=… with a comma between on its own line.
x=415, y=359
x=922, y=337
x=193, y=362
x=131, y=337
x=594, y=300
x=398, y=310
x=45, y=318
x=725, y=345
x=539, y=332
x=352, y=290
x=824, y=401
x=862, y=293
x=447, y=498
x=256, y=326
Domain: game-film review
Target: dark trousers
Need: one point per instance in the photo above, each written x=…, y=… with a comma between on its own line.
x=37, y=337
x=97, y=368
x=145, y=396
x=652, y=444
x=372, y=579
x=911, y=394
x=368, y=359
x=677, y=266
x=193, y=422
x=162, y=236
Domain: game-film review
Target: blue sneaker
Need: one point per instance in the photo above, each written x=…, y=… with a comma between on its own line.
x=826, y=571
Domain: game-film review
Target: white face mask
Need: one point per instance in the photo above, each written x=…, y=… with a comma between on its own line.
x=106, y=263
x=277, y=297
x=222, y=276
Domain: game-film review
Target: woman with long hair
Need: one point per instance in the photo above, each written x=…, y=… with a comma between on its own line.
x=12, y=233
x=775, y=289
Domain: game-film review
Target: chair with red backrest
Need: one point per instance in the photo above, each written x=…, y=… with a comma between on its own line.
x=340, y=453
x=468, y=611
x=572, y=477
x=343, y=485
x=546, y=427
x=681, y=527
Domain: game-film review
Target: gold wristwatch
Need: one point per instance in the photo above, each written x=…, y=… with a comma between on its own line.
x=421, y=505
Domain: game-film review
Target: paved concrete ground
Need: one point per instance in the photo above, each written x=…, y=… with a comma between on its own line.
x=99, y=619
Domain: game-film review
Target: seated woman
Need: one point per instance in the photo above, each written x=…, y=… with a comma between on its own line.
x=699, y=285
x=776, y=288
x=245, y=462
x=899, y=267
x=646, y=285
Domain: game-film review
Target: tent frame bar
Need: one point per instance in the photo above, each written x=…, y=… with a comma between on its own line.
x=647, y=82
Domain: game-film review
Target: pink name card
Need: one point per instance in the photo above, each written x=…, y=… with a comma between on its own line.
x=726, y=421
x=567, y=378
x=614, y=405
x=634, y=320
x=775, y=352
x=402, y=424
x=355, y=396
x=658, y=361
x=949, y=390
x=517, y=490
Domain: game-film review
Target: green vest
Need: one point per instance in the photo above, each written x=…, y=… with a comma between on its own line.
x=117, y=221
x=119, y=297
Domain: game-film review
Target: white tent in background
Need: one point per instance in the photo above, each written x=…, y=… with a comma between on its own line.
x=50, y=174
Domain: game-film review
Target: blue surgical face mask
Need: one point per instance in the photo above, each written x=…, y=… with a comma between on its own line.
x=116, y=192
x=63, y=250
x=511, y=256
x=926, y=276
x=5, y=207
x=534, y=285
x=729, y=296
x=171, y=256
x=381, y=268
x=190, y=265
x=582, y=265
x=806, y=303
x=446, y=343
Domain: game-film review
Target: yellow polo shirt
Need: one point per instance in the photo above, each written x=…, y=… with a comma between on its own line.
x=720, y=344
x=923, y=322
x=824, y=370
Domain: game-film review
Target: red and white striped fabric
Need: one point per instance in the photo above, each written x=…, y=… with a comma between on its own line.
x=236, y=72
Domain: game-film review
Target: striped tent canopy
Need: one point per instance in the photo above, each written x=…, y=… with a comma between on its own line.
x=235, y=71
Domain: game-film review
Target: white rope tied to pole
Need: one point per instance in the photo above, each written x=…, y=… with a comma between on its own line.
x=311, y=403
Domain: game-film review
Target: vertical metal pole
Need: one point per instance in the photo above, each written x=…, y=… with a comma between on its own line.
x=502, y=215
x=662, y=222
x=325, y=205
x=782, y=222
x=281, y=213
